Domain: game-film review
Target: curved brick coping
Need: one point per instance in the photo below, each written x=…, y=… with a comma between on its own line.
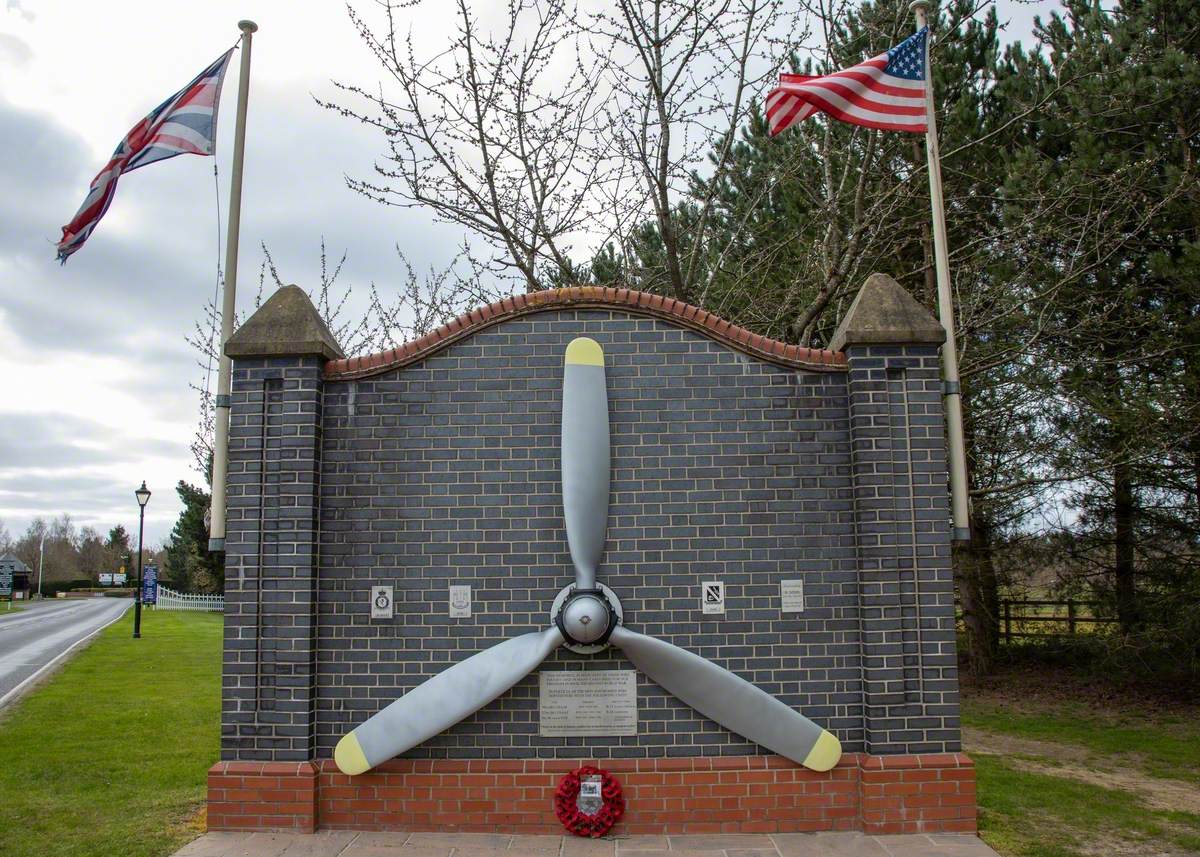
x=932, y=793
x=589, y=297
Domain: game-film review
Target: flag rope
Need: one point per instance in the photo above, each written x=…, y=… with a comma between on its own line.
x=212, y=327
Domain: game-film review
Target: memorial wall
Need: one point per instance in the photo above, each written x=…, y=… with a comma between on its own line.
x=778, y=511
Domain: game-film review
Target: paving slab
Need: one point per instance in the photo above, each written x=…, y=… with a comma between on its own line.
x=944, y=845
x=323, y=844
x=382, y=839
x=575, y=846
x=720, y=841
x=353, y=850
x=828, y=845
x=642, y=842
x=212, y=845
x=535, y=846
x=401, y=844
x=490, y=841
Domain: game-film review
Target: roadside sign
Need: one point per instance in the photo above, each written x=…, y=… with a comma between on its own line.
x=106, y=579
x=119, y=579
x=150, y=584
x=6, y=578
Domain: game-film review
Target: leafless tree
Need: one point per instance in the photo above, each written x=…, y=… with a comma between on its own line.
x=495, y=132
x=418, y=305
x=684, y=75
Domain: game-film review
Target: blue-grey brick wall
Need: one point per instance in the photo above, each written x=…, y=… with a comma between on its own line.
x=268, y=700
x=724, y=467
x=905, y=584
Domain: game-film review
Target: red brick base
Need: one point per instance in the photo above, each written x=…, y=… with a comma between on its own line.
x=263, y=796
x=742, y=794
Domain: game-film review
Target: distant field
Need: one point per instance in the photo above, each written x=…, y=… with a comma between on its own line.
x=109, y=757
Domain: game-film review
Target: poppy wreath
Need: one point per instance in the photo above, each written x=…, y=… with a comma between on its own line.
x=566, y=805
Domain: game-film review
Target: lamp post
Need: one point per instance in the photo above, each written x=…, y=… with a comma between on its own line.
x=143, y=497
x=41, y=555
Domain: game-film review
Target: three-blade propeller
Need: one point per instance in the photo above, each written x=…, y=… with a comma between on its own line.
x=586, y=618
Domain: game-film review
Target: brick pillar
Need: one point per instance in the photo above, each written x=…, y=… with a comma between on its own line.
x=900, y=485
x=269, y=672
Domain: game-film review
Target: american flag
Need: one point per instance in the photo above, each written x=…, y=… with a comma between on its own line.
x=184, y=123
x=886, y=92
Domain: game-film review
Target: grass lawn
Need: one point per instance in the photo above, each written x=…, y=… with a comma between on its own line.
x=109, y=757
x=1064, y=775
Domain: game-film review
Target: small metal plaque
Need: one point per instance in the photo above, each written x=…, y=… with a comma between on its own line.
x=712, y=597
x=579, y=703
x=591, y=796
x=460, y=602
x=381, y=602
x=791, y=596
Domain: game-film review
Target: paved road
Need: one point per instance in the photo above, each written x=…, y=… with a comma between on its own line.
x=32, y=638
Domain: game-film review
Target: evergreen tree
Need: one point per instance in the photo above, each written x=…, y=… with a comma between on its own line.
x=1118, y=146
x=190, y=566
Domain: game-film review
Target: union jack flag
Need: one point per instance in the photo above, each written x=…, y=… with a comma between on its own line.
x=886, y=92
x=186, y=123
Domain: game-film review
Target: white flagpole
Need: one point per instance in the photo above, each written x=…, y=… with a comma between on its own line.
x=216, y=531
x=953, y=401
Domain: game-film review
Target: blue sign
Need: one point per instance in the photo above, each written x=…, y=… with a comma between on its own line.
x=150, y=584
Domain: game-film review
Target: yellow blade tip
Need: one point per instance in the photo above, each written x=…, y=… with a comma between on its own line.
x=585, y=352
x=349, y=756
x=824, y=754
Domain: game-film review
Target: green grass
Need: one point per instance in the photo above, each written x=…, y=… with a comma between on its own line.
x=109, y=757
x=1160, y=745
x=1027, y=814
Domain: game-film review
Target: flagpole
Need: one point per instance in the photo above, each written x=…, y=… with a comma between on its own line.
x=950, y=391
x=216, y=532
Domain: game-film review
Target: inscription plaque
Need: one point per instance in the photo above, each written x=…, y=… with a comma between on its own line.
x=791, y=596
x=575, y=704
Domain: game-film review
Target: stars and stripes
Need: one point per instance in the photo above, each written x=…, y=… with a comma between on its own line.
x=186, y=123
x=886, y=92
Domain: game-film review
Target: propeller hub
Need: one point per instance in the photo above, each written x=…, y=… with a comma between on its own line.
x=586, y=618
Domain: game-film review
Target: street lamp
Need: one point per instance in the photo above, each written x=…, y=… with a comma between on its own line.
x=41, y=555
x=143, y=497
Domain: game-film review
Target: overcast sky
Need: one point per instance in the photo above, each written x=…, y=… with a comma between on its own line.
x=95, y=394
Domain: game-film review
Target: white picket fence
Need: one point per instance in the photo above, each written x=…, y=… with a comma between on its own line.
x=169, y=599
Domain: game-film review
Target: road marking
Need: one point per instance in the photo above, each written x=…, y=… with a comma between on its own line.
x=12, y=693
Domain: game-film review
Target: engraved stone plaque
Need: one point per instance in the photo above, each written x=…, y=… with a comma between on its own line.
x=578, y=703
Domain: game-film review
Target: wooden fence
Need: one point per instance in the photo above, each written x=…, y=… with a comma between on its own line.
x=169, y=599
x=1019, y=618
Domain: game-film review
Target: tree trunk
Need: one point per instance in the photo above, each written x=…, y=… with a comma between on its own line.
x=979, y=594
x=1123, y=569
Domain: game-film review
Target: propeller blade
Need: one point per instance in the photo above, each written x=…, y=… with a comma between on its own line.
x=443, y=700
x=730, y=701
x=585, y=457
